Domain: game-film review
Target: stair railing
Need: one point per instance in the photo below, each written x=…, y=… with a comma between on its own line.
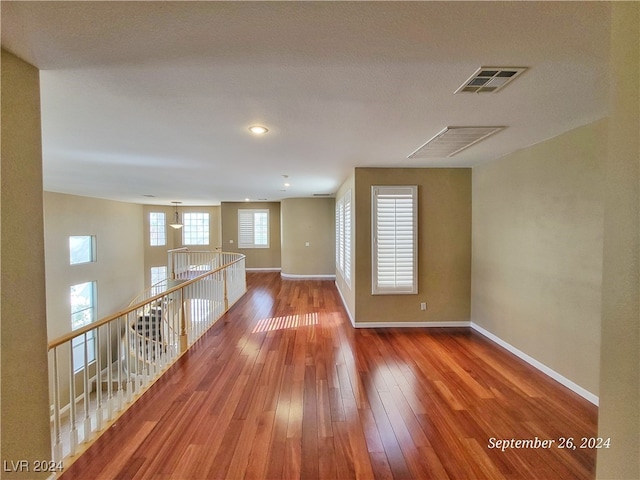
x=97, y=371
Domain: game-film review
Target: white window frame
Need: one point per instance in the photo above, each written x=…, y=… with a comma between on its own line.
x=158, y=276
x=248, y=236
x=91, y=239
x=157, y=229
x=78, y=343
x=194, y=231
x=343, y=236
x=394, y=237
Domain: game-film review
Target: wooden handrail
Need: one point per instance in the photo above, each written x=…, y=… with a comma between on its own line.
x=181, y=249
x=92, y=326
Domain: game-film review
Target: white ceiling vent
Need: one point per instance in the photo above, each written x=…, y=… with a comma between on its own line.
x=452, y=140
x=490, y=79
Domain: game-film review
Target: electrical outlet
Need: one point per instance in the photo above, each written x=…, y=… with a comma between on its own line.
x=423, y=306
x=306, y=244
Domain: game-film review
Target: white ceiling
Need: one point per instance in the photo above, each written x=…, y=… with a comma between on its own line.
x=155, y=98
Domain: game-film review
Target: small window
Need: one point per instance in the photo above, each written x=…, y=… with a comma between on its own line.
x=82, y=249
x=196, y=228
x=253, y=228
x=394, y=237
x=83, y=312
x=158, y=280
x=157, y=229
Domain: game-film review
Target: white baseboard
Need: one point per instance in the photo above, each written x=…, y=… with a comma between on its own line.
x=264, y=269
x=584, y=393
x=411, y=324
x=346, y=308
x=540, y=366
x=293, y=276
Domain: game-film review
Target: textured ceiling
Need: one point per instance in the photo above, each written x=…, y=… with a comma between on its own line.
x=155, y=98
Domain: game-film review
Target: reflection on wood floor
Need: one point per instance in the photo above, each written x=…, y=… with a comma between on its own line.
x=282, y=387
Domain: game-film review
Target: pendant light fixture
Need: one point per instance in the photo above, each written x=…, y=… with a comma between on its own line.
x=177, y=224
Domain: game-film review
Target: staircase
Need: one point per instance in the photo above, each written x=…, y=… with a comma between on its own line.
x=137, y=345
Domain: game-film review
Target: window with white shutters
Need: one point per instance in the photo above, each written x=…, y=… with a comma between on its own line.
x=253, y=228
x=343, y=236
x=394, y=237
x=347, y=237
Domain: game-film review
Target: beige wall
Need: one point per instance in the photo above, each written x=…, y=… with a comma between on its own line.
x=444, y=246
x=23, y=324
x=348, y=292
x=312, y=221
x=537, y=251
x=157, y=256
x=619, y=415
x=267, y=258
x=118, y=271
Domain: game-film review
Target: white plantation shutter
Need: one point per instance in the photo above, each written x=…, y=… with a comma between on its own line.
x=253, y=228
x=338, y=233
x=343, y=236
x=394, y=236
x=347, y=237
x=245, y=228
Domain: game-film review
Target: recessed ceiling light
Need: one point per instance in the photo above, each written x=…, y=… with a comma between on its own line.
x=246, y=199
x=287, y=184
x=258, y=129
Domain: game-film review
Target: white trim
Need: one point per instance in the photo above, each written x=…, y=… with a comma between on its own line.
x=263, y=269
x=346, y=308
x=412, y=324
x=310, y=277
x=540, y=366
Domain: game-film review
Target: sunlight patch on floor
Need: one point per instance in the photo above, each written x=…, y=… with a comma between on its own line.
x=285, y=322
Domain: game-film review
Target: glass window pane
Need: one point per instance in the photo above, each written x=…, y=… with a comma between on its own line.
x=81, y=249
x=158, y=280
x=261, y=226
x=79, y=350
x=82, y=304
x=82, y=300
x=157, y=229
x=196, y=228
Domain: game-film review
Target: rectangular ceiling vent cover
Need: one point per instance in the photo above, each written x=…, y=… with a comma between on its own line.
x=452, y=140
x=490, y=79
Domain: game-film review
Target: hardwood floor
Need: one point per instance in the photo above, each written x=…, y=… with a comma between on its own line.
x=283, y=387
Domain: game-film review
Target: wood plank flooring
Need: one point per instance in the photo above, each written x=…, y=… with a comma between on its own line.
x=282, y=387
